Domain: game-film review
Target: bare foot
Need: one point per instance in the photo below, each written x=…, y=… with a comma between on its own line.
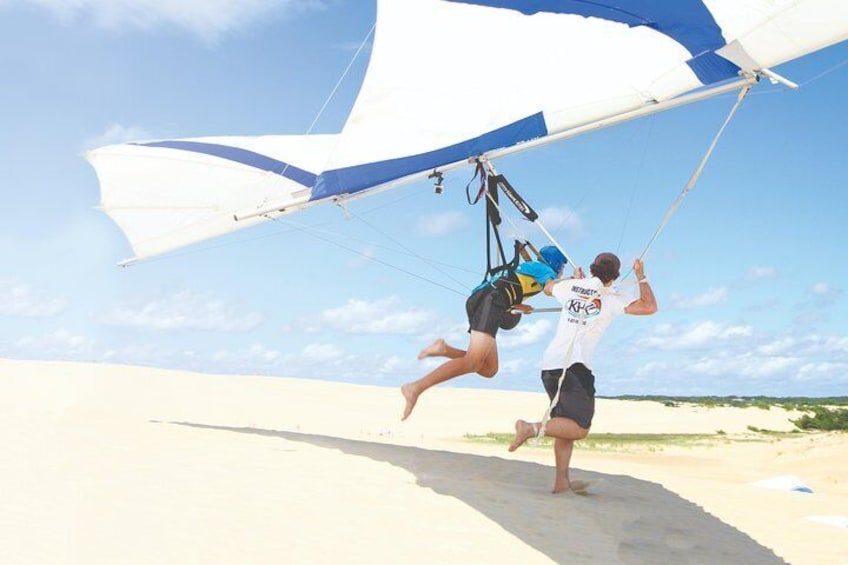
x=577, y=487
x=560, y=486
x=436, y=349
x=523, y=432
x=409, y=393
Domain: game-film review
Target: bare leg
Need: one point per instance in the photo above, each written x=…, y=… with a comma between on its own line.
x=566, y=431
x=479, y=352
x=489, y=366
x=563, y=428
x=562, y=455
x=440, y=348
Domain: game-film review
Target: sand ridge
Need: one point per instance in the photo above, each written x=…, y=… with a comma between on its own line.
x=106, y=464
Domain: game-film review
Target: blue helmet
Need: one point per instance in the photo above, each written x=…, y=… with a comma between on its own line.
x=553, y=257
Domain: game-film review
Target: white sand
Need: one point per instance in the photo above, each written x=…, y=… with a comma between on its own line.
x=109, y=464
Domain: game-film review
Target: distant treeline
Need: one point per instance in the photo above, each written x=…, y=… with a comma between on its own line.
x=765, y=402
x=824, y=413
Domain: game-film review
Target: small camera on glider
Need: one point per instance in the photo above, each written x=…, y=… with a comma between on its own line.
x=440, y=179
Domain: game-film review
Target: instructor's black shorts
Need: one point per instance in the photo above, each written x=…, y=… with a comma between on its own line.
x=577, y=397
x=488, y=310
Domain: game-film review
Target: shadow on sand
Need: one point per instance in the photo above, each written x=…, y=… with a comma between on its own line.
x=621, y=520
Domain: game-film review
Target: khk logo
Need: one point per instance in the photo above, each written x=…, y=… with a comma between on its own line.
x=584, y=307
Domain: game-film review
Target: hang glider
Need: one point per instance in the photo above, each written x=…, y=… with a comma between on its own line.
x=450, y=81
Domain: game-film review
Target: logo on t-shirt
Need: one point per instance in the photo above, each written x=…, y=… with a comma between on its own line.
x=584, y=304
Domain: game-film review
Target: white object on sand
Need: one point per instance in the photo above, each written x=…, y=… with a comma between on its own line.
x=784, y=482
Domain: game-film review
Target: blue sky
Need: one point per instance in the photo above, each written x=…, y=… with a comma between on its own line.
x=750, y=273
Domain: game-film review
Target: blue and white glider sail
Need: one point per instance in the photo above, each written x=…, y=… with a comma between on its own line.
x=453, y=79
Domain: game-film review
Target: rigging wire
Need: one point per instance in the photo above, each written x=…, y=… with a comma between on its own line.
x=825, y=73
x=336, y=87
x=780, y=89
x=317, y=228
x=636, y=179
x=312, y=233
x=406, y=248
x=695, y=176
x=537, y=222
x=341, y=78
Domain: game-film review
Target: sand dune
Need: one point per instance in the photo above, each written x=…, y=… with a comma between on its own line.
x=109, y=464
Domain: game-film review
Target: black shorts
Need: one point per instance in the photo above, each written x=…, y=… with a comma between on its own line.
x=577, y=397
x=488, y=311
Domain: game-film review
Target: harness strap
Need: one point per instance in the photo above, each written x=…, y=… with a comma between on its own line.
x=479, y=171
x=493, y=220
x=516, y=199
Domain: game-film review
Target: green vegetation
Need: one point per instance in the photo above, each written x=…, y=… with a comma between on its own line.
x=826, y=413
x=647, y=442
x=764, y=402
x=757, y=430
x=659, y=442
x=823, y=418
x=618, y=442
x=505, y=439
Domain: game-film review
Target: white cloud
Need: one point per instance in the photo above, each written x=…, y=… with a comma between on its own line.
x=526, y=333
x=184, y=310
x=820, y=370
x=116, y=133
x=808, y=346
x=758, y=273
x=363, y=259
x=563, y=219
x=709, y=298
x=768, y=304
x=398, y=365
x=386, y=316
x=442, y=224
x=745, y=365
x=322, y=352
x=20, y=299
x=837, y=347
x=256, y=354
x=315, y=361
x=722, y=365
x=521, y=369
x=143, y=354
x=825, y=294
x=208, y=19
x=61, y=344
x=823, y=289
x=668, y=337
x=749, y=363
x=810, y=318
x=779, y=346
x=816, y=308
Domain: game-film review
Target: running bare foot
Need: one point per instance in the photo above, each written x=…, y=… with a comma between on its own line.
x=409, y=393
x=523, y=432
x=436, y=349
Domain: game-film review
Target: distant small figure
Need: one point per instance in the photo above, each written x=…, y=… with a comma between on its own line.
x=489, y=308
x=588, y=307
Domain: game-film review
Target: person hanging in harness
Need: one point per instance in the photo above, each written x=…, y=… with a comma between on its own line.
x=495, y=304
x=588, y=307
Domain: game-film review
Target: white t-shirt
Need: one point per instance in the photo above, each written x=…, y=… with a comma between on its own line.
x=588, y=307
